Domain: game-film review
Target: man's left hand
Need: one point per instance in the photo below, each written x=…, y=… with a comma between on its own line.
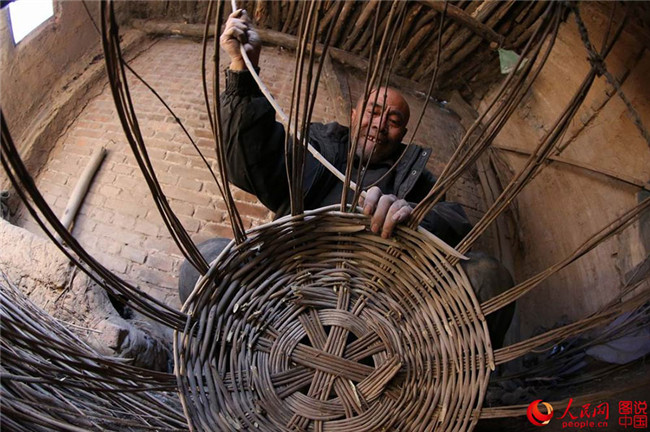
x=387, y=211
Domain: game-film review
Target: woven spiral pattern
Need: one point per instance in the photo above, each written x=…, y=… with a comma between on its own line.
x=314, y=323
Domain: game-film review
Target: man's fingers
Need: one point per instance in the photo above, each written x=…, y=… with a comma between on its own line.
x=241, y=30
x=398, y=212
x=238, y=33
x=387, y=211
x=240, y=25
x=370, y=201
x=232, y=32
x=379, y=217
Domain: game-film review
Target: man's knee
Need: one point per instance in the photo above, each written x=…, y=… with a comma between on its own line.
x=188, y=275
x=487, y=275
x=490, y=278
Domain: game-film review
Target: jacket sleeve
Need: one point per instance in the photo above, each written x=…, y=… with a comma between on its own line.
x=253, y=140
x=447, y=220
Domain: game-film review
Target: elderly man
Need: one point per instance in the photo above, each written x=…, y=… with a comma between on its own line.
x=256, y=163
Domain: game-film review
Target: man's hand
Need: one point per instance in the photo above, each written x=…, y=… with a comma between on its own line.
x=386, y=210
x=238, y=31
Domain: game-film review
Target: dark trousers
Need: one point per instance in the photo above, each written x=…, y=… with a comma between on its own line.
x=486, y=274
x=490, y=278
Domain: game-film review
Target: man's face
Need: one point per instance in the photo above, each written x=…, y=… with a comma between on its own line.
x=383, y=124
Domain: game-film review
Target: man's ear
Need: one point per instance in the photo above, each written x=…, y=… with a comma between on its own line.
x=353, y=116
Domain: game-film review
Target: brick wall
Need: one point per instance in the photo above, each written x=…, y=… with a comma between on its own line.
x=119, y=223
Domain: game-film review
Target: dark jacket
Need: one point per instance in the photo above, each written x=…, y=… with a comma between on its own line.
x=254, y=144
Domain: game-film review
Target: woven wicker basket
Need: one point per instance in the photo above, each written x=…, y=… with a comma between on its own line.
x=317, y=324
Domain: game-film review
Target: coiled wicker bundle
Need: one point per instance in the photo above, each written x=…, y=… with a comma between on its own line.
x=317, y=324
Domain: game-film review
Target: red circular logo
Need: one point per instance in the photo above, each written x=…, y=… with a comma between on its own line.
x=535, y=416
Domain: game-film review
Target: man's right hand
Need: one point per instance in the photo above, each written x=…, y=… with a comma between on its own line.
x=386, y=210
x=238, y=31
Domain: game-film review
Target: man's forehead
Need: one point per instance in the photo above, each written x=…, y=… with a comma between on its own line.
x=392, y=98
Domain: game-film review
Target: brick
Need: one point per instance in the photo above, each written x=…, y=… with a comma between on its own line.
x=61, y=202
x=84, y=124
x=101, y=215
x=210, y=187
x=203, y=133
x=257, y=211
x=181, y=207
x=88, y=133
x=124, y=221
x=156, y=153
x=125, y=236
x=196, y=161
x=256, y=223
x=165, y=178
x=189, y=196
x=160, y=261
x=160, y=244
x=111, y=262
x=156, y=277
x=110, y=191
x=146, y=227
x=153, y=117
x=163, y=135
x=162, y=166
x=133, y=254
x=102, y=177
x=189, y=150
x=93, y=199
x=128, y=207
x=110, y=246
x=83, y=223
x=209, y=214
x=190, y=184
x=189, y=223
x=54, y=190
x=217, y=230
x=163, y=144
x=202, y=236
x=86, y=237
x=146, y=132
x=189, y=172
x=122, y=157
x=128, y=183
x=247, y=222
x=100, y=118
x=244, y=196
x=85, y=149
x=177, y=158
x=153, y=216
x=120, y=168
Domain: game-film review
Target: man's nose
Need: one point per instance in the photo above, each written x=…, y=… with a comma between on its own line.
x=381, y=122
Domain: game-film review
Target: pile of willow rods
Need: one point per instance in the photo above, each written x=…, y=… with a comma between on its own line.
x=51, y=380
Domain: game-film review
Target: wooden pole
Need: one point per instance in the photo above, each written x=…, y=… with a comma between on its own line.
x=275, y=38
x=461, y=17
x=81, y=189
